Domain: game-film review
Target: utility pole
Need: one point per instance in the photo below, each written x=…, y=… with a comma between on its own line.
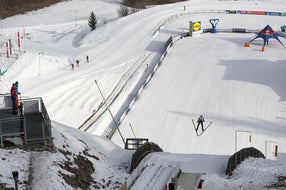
x=75, y=11
x=116, y=124
x=40, y=54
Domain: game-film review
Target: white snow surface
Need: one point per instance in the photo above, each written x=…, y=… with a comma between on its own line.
x=238, y=89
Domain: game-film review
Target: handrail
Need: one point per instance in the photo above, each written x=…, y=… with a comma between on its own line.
x=47, y=120
x=19, y=131
x=11, y=119
x=33, y=101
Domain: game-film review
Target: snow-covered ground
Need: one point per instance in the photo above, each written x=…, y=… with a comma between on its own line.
x=239, y=89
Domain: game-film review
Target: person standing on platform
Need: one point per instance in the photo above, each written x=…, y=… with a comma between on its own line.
x=13, y=97
x=16, y=94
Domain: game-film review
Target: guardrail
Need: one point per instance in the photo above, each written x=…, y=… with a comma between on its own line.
x=10, y=127
x=217, y=11
x=138, y=89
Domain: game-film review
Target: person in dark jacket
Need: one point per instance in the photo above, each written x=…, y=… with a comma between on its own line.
x=200, y=121
x=13, y=97
x=17, y=93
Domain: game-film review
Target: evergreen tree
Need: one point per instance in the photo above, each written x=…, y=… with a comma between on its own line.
x=92, y=21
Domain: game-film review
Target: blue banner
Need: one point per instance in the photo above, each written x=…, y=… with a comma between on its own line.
x=3, y=70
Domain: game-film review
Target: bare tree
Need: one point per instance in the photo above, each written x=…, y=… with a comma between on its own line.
x=123, y=11
x=134, y=10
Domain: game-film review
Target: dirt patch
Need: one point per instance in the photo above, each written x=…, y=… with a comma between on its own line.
x=3, y=187
x=280, y=184
x=81, y=170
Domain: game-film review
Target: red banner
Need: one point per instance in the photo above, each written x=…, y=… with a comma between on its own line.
x=259, y=12
x=18, y=37
x=7, y=49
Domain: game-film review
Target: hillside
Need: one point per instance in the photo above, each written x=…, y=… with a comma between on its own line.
x=15, y=7
x=77, y=160
x=237, y=88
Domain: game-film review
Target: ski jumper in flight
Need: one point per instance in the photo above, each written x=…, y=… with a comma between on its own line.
x=200, y=121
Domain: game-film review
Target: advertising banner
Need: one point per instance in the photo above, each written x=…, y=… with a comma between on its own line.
x=195, y=27
x=273, y=13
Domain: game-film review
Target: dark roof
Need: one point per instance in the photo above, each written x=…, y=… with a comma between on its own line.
x=239, y=156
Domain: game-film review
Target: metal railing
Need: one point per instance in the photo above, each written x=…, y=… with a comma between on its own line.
x=21, y=125
x=11, y=127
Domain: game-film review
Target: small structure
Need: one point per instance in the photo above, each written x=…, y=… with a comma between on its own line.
x=134, y=143
x=195, y=27
x=266, y=34
x=239, y=156
x=214, y=23
x=188, y=181
x=143, y=151
x=31, y=129
x=157, y=175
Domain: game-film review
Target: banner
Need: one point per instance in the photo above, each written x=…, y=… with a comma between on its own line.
x=7, y=49
x=195, y=27
x=18, y=39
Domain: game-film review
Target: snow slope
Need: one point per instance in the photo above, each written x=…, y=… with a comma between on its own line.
x=212, y=74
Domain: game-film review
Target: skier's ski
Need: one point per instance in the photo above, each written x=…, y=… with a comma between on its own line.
x=195, y=127
x=205, y=129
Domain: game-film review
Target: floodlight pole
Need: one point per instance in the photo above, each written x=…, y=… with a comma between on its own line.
x=132, y=130
x=75, y=11
x=40, y=53
x=116, y=125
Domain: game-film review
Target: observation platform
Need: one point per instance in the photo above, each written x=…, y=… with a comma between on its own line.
x=31, y=129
